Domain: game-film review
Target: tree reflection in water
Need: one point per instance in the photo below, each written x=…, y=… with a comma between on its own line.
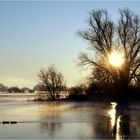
x=51, y=113
x=51, y=127
x=120, y=121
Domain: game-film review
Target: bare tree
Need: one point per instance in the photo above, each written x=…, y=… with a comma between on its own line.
x=137, y=80
x=104, y=36
x=101, y=78
x=51, y=82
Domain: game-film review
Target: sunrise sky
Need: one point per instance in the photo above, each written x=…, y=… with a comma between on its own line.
x=36, y=34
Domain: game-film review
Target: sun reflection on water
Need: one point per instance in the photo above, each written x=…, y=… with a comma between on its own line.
x=112, y=113
x=118, y=137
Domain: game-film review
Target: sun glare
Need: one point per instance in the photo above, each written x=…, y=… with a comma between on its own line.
x=116, y=59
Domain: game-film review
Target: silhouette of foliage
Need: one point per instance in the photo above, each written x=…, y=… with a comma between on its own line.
x=3, y=88
x=51, y=82
x=14, y=89
x=77, y=93
x=36, y=88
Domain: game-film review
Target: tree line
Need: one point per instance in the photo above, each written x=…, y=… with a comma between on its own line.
x=14, y=89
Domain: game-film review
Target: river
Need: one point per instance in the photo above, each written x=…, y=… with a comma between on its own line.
x=66, y=120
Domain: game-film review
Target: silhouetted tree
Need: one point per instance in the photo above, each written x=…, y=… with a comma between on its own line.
x=3, y=88
x=14, y=89
x=36, y=88
x=104, y=37
x=100, y=78
x=77, y=92
x=137, y=80
x=51, y=82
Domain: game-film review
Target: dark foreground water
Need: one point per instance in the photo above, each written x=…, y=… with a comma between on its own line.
x=67, y=120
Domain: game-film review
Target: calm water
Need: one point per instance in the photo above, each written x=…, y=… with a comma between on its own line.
x=67, y=120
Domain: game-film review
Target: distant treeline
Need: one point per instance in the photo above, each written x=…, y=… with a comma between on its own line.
x=91, y=92
x=14, y=89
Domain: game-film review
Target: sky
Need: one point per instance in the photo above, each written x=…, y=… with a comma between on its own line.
x=35, y=34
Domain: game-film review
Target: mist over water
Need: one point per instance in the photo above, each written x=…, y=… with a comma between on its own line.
x=66, y=120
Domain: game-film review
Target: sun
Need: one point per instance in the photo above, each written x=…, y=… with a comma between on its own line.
x=116, y=59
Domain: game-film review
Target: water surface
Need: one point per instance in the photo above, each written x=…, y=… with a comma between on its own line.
x=66, y=120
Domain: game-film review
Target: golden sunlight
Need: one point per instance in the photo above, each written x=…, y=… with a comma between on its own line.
x=112, y=113
x=116, y=59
